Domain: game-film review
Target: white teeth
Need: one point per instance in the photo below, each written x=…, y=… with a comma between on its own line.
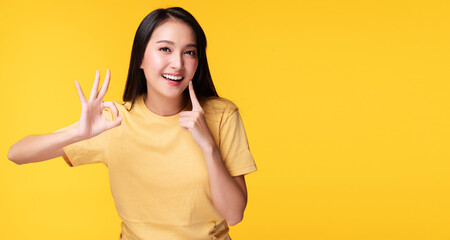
x=176, y=78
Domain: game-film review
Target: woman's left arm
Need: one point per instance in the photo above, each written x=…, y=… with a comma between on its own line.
x=229, y=193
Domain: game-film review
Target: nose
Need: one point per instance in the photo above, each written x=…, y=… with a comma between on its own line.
x=177, y=61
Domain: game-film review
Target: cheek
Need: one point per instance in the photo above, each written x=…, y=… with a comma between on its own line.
x=192, y=64
x=152, y=61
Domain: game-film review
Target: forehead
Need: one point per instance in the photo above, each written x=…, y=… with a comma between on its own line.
x=173, y=30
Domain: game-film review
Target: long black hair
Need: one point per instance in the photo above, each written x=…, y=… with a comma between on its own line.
x=136, y=82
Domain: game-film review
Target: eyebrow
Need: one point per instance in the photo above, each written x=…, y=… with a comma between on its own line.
x=172, y=43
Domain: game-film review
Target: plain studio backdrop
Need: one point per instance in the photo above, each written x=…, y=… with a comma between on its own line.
x=345, y=103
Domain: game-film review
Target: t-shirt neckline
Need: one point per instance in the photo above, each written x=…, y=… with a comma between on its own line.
x=164, y=119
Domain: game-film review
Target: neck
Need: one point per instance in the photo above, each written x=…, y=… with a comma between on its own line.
x=165, y=107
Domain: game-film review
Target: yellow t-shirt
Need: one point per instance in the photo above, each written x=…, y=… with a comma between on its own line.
x=158, y=175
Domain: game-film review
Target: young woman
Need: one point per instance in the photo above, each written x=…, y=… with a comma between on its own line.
x=176, y=153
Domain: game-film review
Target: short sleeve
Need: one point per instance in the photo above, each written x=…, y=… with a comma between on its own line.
x=88, y=151
x=234, y=146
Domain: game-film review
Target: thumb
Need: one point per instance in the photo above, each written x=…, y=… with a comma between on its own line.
x=113, y=124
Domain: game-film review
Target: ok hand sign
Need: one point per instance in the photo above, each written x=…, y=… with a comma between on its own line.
x=92, y=122
x=194, y=121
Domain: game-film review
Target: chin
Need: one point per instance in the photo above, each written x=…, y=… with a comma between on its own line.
x=173, y=95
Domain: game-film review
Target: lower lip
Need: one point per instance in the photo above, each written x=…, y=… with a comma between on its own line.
x=172, y=83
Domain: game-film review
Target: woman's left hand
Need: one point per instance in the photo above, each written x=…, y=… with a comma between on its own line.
x=194, y=121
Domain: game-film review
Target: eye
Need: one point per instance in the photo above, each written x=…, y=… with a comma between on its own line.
x=191, y=53
x=164, y=49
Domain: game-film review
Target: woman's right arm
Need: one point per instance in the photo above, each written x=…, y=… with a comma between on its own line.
x=37, y=148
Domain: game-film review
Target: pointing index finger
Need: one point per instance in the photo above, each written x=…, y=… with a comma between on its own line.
x=195, y=104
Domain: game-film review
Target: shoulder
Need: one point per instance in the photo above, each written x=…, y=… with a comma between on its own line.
x=218, y=104
x=218, y=108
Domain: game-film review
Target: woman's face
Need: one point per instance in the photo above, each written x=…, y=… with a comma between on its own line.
x=170, y=59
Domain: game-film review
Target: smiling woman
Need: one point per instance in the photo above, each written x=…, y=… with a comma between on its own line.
x=176, y=152
x=169, y=59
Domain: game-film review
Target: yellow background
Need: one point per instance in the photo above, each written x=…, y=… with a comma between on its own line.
x=345, y=103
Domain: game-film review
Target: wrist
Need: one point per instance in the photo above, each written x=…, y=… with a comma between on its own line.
x=210, y=147
x=74, y=135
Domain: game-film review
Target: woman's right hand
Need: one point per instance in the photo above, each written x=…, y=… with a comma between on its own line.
x=92, y=122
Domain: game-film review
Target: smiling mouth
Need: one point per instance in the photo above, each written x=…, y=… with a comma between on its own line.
x=172, y=78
